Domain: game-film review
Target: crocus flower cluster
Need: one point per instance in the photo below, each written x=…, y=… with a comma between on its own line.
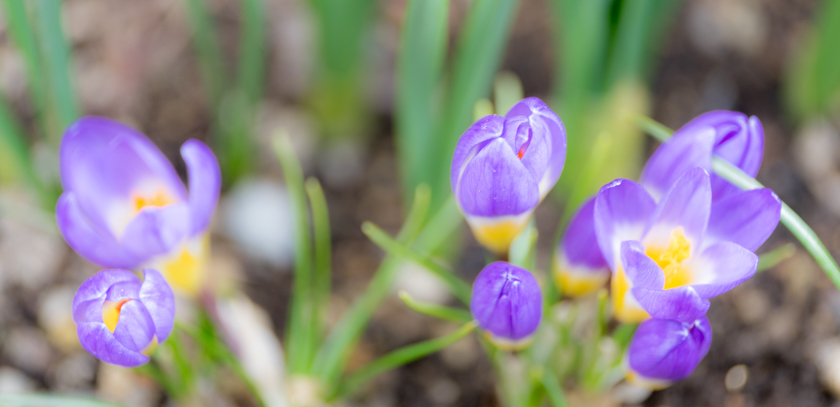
x=672, y=241
x=507, y=304
x=120, y=319
x=504, y=166
x=124, y=205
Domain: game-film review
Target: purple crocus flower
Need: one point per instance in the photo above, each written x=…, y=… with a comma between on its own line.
x=119, y=319
x=579, y=266
x=668, y=258
x=124, y=206
x=731, y=135
x=664, y=351
x=507, y=303
x=504, y=166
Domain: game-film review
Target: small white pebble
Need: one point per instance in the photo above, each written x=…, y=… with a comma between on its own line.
x=736, y=378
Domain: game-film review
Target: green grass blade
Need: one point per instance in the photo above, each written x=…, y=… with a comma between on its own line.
x=436, y=311
x=333, y=355
x=419, y=66
x=51, y=400
x=300, y=335
x=252, y=39
x=772, y=258
x=523, y=249
x=553, y=389
x=323, y=253
x=206, y=44
x=477, y=57
x=56, y=54
x=23, y=36
x=403, y=356
x=393, y=247
x=790, y=219
x=507, y=90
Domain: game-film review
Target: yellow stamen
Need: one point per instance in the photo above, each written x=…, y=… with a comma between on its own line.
x=158, y=198
x=623, y=311
x=184, y=270
x=111, y=313
x=671, y=259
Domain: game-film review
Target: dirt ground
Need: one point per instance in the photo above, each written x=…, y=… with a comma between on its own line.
x=134, y=62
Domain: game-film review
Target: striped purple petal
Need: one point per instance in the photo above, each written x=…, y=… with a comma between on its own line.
x=663, y=351
x=507, y=302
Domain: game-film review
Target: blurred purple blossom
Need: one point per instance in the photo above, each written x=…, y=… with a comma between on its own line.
x=507, y=303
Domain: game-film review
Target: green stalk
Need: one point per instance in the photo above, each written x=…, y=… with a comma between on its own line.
x=790, y=219
x=56, y=55
x=394, y=248
x=251, y=69
x=772, y=258
x=323, y=254
x=209, y=51
x=403, y=356
x=553, y=389
x=300, y=336
x=436, y=311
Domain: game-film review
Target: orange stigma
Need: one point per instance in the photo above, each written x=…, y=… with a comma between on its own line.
x=159, y=198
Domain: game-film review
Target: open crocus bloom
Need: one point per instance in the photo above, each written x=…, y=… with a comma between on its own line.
x=504, y=166
x=663, y=351
x=579, y=267
x=124, y=206
x=119, y=319
x=668, y=258
x=731, y=135
x=507, y=303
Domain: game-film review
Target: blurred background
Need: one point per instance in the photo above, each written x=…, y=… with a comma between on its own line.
x=328, y=72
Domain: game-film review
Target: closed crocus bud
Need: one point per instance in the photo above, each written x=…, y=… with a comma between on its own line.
x=504, y=166
x=120, y=319
x=664, y=351
x=124, y=205
x=507, y=303
x=731, y=135
x=579, y=266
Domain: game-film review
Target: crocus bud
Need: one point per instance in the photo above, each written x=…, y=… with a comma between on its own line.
x=504, y=166
x=119, y=319
x=124, y=205
x=579, y=266
x=507, y=303
x=731, y=135
x=664, y=351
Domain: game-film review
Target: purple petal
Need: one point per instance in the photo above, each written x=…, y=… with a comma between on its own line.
x=746, y=218
x=101, y=343
x=157, y=230
x=104, y=162
x=97, y=286
x=681, y=303
x=159, y=300
x=687, y=205
x=507, y=301
x=580, y=244
x=486, y=128
x=668, y=350
x=540, y=131
x=721, y=267
x=124, y=290
x=205, y=183
x=687, y=149
x=495, y=183
x=135, y=328
x=622, y=209
x=88, y=239
x=640, y=269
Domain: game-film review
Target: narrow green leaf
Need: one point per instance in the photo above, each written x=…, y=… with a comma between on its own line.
x=323, y=254
x=523, y=249
x=23, y=36
x=553, y=389
x=790, y=219
x=206, y=43
x=403, y=356
x=393, y=247
x=436, y=311
x=252, y=39
x=300, y=336
x=772, y=258
x=51, y=400
x=333, y=355
x=56, y=54
x=477, y=57
x=507, y=90
x=420, y=60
